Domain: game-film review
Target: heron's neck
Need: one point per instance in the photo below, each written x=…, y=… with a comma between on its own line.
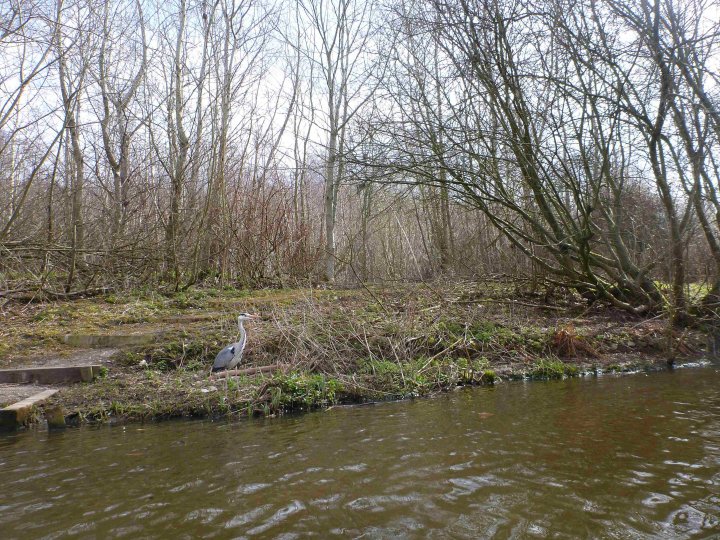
x=242, y=331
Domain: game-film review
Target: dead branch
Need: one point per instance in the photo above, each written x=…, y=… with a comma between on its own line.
x=247, y=371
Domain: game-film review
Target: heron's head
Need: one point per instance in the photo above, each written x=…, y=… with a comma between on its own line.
x=247, y=317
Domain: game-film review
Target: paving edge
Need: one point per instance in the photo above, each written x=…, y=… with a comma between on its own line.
x=19, y=414
x=50, y=375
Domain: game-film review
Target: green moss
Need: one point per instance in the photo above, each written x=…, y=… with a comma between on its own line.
x=572, y=370
x=453, y=328
x=379, y=368
x=551, y=368
x=303, y=390
x=485, y=332
x=472, y=371
x=489, y=376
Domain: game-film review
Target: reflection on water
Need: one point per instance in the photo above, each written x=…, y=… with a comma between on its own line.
x=616, y=457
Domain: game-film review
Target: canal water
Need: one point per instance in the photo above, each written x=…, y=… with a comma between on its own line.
x=613, y=457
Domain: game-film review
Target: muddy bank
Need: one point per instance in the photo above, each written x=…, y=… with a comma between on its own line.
x=333, y=346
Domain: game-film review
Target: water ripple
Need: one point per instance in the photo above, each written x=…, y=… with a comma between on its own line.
x=631, y=457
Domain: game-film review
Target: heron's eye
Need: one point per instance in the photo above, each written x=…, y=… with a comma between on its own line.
x=232, y=350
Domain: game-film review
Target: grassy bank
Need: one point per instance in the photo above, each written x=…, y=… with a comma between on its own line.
x=334, y=346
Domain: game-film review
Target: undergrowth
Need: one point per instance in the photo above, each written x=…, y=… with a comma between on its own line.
x=330, y=347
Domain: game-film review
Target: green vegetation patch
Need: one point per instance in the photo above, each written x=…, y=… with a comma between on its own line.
x=551, y=368
x=302, y=390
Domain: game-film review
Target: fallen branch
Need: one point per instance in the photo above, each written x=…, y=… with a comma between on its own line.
x=30, y=295
x=59, y=295
x=246, y=371
x=510, y=302
x=10, y=293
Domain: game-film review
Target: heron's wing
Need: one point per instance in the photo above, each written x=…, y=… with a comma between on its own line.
x=224, y=357
x=237, y=354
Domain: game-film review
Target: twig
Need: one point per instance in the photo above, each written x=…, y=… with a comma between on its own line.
x=446, y=349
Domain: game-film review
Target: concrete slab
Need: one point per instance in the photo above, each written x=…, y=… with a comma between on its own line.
x=20, y=413
x=82, y=357
x=10, y=393
x=102, y=341
x=50, y=375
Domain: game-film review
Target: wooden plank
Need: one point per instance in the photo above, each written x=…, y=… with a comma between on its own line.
x=18, y=414
x=50, y=375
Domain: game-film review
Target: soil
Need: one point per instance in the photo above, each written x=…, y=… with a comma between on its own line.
x=335, y=346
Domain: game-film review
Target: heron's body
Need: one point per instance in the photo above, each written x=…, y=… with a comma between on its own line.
x=230, y=356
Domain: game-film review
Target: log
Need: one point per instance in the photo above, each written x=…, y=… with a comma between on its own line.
x=245, y=371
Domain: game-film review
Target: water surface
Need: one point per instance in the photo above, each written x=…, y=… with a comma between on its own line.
x=615, y=457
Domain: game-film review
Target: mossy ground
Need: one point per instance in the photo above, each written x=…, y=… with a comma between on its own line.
x=334, y=346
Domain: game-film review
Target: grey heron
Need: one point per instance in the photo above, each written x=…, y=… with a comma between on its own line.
x=231, y=355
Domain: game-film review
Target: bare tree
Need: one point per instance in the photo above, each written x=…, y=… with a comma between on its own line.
x=118, y=90
x=71, y=75
x=339, y=48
